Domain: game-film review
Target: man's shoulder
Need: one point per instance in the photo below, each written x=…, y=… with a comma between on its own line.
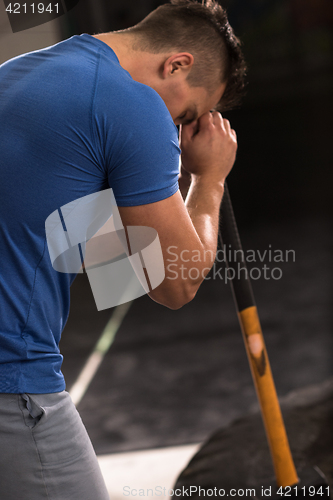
x=115, y=87
x=130, y=99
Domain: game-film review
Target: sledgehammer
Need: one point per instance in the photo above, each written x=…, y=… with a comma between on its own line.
x=307, y=483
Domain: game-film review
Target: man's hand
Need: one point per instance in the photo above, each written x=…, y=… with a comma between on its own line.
x=208, y=147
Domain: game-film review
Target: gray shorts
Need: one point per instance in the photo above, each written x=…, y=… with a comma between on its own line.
x=45, y=451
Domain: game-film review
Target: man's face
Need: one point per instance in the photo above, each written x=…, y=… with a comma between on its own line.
x=186, y=104
x=168, y=75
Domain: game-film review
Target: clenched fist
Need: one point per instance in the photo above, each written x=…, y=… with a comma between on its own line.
x=208, y=147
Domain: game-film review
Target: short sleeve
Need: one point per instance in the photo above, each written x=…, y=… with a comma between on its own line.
x=138, y=141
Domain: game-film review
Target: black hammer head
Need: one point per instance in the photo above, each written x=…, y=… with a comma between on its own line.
x=312, y=485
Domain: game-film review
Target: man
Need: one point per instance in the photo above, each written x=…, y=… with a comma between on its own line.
x=84, y=115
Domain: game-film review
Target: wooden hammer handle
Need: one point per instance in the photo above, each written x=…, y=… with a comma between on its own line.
x=283, y=463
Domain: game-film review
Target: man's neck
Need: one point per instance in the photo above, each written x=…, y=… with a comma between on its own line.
x=141, y=65
x=121, y=44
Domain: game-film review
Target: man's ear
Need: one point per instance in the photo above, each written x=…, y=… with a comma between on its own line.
x=178, y=64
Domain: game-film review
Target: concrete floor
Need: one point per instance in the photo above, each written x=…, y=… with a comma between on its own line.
x=154, y=472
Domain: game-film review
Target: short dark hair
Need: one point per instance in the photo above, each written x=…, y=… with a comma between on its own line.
x=202, y=29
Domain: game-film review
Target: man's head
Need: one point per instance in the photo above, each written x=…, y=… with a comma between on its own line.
x=211, y=54
x=188, y=53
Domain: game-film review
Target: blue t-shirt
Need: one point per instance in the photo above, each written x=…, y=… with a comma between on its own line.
x=72, y=122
